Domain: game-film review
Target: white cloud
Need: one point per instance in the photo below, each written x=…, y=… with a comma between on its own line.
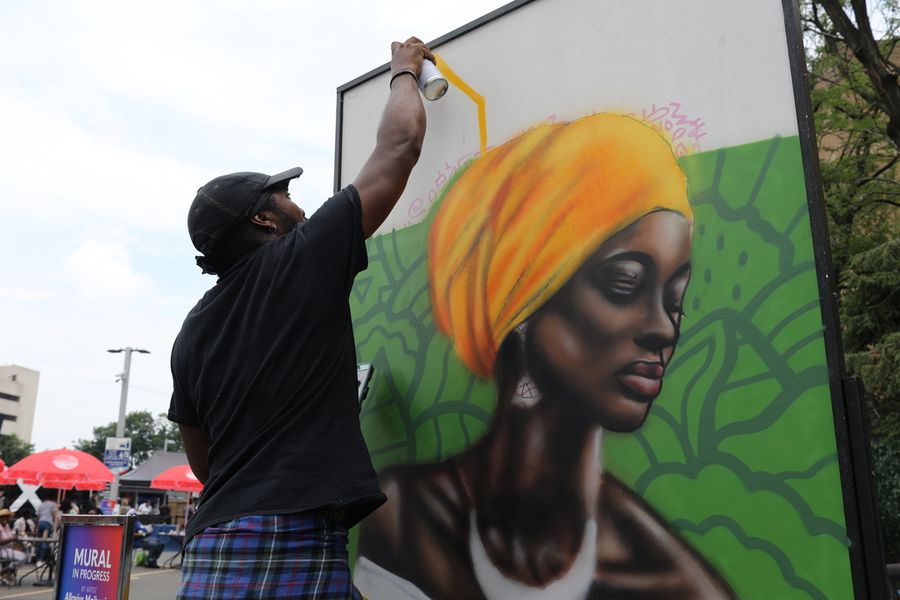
x=112, y=114
x=25, y=294
x=103, y=270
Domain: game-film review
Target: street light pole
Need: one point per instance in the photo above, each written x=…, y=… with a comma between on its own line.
x=123, y=400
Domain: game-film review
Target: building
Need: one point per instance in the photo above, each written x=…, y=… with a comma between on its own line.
x=18, y=397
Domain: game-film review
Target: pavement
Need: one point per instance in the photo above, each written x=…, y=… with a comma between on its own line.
x=146, y=584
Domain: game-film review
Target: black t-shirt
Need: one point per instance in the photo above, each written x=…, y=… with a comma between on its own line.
x=265, y=364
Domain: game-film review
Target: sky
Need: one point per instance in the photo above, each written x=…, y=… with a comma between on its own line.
x=112, y=114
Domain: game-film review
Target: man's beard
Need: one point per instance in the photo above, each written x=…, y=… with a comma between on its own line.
x=284, y=221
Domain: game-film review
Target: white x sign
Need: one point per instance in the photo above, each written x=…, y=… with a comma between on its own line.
x=29, y=494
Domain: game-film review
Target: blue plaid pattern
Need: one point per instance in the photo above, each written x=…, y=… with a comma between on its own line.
x=269, y=556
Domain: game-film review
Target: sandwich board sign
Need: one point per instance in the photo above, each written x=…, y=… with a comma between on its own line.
x=94, y=557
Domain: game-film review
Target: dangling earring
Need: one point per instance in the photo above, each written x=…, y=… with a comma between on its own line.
x=526, y=395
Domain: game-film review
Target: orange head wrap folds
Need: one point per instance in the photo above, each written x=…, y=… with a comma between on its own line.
x=523, y=218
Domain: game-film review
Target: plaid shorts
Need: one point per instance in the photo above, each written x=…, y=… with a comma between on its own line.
x=269, y=556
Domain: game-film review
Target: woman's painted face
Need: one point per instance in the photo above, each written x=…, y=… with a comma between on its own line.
x=605, y=338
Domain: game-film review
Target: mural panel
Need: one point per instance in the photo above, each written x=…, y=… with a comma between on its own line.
x=600, y=367
x=736, y=460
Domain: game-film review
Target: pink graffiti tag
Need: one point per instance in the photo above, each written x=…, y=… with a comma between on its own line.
x=420, y=206
x=679, y=128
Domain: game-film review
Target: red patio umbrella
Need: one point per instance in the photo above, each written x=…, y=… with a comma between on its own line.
x=61, y=469
x=178, y=479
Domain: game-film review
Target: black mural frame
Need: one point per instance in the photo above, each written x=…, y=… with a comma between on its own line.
x=867, y=560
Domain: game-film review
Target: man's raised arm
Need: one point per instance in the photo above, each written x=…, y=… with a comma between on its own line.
x=399, y=139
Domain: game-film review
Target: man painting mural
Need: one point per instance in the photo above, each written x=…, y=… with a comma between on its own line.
x=264, y=369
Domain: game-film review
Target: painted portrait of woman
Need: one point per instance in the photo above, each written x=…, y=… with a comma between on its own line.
x=558, y=264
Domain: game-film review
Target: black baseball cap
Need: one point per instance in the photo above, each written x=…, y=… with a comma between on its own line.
x=226, y=202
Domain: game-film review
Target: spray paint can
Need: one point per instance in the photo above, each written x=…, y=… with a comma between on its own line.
x=431, y=82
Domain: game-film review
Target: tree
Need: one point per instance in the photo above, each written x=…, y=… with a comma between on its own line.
x=886, y=459
x=13, y=449
x=148, y=434
x=847, y=24
x=871, y=323
x=856, y=103
x=854, y=63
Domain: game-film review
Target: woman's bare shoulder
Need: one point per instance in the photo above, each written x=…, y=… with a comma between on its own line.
x=417, y=493
x=638, y=551
x=421, y=529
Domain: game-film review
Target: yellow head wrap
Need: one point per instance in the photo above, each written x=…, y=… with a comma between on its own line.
x=524, y=217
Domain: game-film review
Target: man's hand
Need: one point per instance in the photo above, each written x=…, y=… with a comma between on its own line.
x=408, y=57
x=399, y=140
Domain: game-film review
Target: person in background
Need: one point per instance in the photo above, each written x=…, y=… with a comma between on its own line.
x=24, y=524
x=144, y=508
x=264, y=368
x=48, y=520
x=67, y=507
x=152, y=544
x=10, y=548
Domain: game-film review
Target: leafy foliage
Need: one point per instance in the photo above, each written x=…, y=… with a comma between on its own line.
x=859, y=158
x=863, y=35
x=148, y=434
x=854, y=63
x=886, y=459
x=860, y=161
x=871, y=311
x=13, y=449
x=872, y=295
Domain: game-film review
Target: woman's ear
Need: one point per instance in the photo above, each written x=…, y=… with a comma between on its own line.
x=526, y=394
x=511, y=371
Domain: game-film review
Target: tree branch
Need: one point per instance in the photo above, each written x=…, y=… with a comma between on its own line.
x=876, y=176
x=861, y=41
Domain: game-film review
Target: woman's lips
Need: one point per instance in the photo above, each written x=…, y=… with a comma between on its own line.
x=643, y=379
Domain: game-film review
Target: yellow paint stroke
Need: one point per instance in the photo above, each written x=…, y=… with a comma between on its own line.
x=477, y=98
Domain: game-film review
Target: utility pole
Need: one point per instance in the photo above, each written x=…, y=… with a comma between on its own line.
x=124, y=376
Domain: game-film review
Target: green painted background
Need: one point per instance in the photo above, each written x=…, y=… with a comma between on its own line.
x=739, y=450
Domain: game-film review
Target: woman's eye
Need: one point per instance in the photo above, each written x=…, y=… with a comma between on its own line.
x=677, y=312
x=620, y=283
x=675, y=298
